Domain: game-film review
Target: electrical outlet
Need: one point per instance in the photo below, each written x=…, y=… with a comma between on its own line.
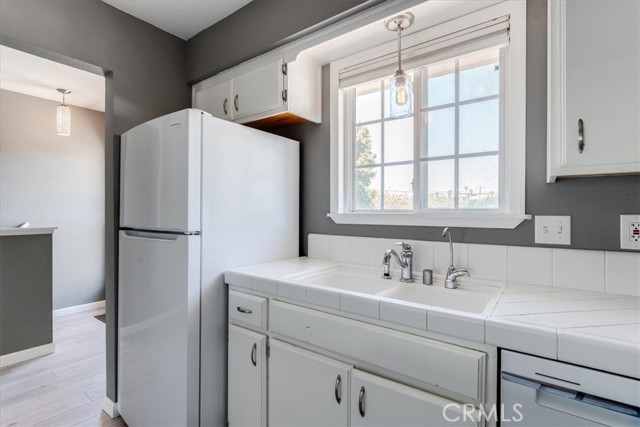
x=553, y=230
x=630, y=232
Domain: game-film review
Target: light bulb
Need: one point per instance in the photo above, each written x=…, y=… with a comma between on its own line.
x=401, y=95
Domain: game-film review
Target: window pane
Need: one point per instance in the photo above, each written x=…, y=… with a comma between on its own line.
x=480, y=127
x=480, y=75
x=479, y=183
x=440, y=133
x=398, y=140
x=368, y=145
x=438, y=83
x=367, y=188
x=398, y=188
x=368, y=102
x=438, y=191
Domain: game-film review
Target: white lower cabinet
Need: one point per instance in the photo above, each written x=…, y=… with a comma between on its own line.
x=247, y=389
x=376, y=401
x=306, y=389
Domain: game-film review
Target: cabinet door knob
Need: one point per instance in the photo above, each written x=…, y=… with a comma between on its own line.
x=224, y=106
x=235, y=102
x=580, y=136
x=361, y=402
x=338, y=390
x=254, y=351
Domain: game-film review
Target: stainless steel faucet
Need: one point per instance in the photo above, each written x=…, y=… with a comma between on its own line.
x=404, y=260
x=452, y=272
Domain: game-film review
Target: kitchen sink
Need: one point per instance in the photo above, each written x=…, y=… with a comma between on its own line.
x=349, y=279
x=470, y=298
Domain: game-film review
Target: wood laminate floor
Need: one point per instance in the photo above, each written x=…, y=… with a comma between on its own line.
x=65, y=388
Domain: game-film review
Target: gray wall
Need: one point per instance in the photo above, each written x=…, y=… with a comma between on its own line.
x=260, y=26
x=25, y=293
x=593, y=203
x=52, y=180
x=145, y=69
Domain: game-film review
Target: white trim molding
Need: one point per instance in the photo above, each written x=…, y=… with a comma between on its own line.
x=28, y=354
x=110, y=407
x=78, y=308
x=424, y=220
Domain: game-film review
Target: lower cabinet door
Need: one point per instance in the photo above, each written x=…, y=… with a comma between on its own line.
x=377, y=401
x=247, y=378
x=306, y=389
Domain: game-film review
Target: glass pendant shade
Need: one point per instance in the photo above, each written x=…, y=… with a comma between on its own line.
x=400, y=95
x=63, y=120
x=400, y=85
x=63, y=115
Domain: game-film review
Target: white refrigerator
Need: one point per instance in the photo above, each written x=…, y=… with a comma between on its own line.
x=199, y=195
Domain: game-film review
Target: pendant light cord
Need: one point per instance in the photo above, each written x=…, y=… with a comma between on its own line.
x=399, y=47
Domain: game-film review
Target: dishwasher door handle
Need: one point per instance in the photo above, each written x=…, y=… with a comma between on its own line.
x=578, y=404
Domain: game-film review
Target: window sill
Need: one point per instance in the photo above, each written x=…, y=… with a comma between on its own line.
x=423, y=220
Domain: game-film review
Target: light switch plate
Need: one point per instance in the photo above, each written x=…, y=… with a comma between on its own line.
x=553, y=230
x=630, y=232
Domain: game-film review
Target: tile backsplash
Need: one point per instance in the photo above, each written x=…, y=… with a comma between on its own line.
x=599, y=271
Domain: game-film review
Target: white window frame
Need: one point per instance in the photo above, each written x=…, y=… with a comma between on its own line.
x=514, y=129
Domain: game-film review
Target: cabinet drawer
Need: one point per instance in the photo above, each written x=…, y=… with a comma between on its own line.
x=449, y=367
x=248, y=309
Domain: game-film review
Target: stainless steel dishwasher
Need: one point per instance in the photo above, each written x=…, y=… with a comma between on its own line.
x=537, y=392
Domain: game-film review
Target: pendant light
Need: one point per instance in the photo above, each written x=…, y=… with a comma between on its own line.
x=400, y=85
x=63, y=115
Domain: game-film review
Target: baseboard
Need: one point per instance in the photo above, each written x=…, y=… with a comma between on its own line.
x=110, y=407
x=78, y=308
x=28, y=354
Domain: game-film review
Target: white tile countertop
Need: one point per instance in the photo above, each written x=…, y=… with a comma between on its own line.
x=593, y=329
x=17, y=231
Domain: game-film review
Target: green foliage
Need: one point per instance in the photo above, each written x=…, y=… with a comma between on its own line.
x=365, y=197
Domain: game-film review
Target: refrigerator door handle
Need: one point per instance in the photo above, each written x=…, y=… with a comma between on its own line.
x=168, y=237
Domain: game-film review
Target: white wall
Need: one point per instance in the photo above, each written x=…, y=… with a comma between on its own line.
x=52, y=180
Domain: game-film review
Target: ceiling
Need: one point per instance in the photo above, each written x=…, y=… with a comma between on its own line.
x=32, y=75
x=182, y=18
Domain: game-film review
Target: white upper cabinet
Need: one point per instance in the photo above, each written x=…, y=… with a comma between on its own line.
x=259, y=91
x=593, y=88
x=266, y=94
x=216, y=100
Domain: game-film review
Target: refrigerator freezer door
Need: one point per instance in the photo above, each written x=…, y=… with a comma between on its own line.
x=160, y=173
x=159, y=332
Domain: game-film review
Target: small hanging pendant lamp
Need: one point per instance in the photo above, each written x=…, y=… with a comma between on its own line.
x=63, y=115
x=400, y=85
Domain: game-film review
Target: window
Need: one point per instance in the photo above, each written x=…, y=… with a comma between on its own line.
x=458, y=160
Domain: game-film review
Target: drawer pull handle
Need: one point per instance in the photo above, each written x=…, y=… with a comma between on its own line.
x=580, y=136
x=244, y=310
x=224, y=107
x=254, y=351
x=338, y=390
x=235, y=102
x=361, y=402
